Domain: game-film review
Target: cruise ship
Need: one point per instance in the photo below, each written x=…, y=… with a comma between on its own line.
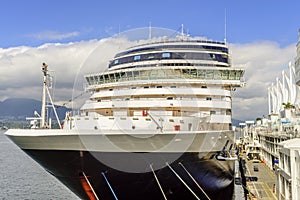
x=157, y=125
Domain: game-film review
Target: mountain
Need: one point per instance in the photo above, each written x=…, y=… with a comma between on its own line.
x=20, y=108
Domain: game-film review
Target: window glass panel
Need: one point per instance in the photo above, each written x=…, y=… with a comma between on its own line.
x=217, y=74
x=201, y=73
x=209, y=74
x=232, y=75
x=166, y=55
x=150, y=56
x=138, y=57
x=225, y=74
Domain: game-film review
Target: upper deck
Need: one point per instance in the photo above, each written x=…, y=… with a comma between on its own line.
x=165, y=59
x=195, y=52
x=176, y=44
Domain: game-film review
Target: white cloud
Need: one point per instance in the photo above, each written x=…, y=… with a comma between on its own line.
x=263, y=61
x=53, y=35
x=20, y=70
x=20, y=67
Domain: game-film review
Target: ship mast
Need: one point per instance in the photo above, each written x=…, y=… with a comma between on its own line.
x=43, y=112
x=44, y=123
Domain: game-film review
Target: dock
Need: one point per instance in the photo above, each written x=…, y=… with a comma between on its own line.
x=260, y=180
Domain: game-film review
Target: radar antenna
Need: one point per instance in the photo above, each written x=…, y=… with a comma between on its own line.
x=225, y=26
x=150, y=31
x=182, y=30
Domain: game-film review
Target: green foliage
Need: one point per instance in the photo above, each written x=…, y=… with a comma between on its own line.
x=288, y=105
x=258, y=119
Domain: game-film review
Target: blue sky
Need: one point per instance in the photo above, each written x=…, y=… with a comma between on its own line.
x=34, y=22
x=71, y=36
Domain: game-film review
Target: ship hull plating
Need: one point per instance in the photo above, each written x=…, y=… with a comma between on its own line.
x=94, y=165
x=188, y=177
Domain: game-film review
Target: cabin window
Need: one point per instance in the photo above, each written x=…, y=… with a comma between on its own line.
x=159, y=86
x=166, y=55
x=146, y=87
x=116, y=61
x=137, y=57
x=208, y=98
x=228, y=112
x=150, y=56
x=169, y=98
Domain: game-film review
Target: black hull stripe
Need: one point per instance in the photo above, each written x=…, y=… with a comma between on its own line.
x=215, y=177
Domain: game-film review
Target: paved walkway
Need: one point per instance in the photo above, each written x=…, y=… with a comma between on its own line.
x=262, y=188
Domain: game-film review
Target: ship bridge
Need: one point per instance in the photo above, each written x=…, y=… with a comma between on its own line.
x=228, y=76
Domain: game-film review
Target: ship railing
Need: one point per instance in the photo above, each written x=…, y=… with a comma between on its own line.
x=174, y=100
x=72, y=113
x=183, y=76
x=166, y=123
x=175, y=40
x=168, y=73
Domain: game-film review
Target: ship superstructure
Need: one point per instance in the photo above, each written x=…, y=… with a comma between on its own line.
x=181, y=81
x=156, y=126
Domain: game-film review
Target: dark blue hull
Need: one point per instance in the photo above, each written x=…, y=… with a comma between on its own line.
x=188, y=177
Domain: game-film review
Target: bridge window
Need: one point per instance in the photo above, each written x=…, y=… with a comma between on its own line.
x=166, y=55
x=150, y=56
x=138, y=57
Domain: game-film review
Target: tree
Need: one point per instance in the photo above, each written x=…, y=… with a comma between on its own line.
x=258, y=119
x=288, y=105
